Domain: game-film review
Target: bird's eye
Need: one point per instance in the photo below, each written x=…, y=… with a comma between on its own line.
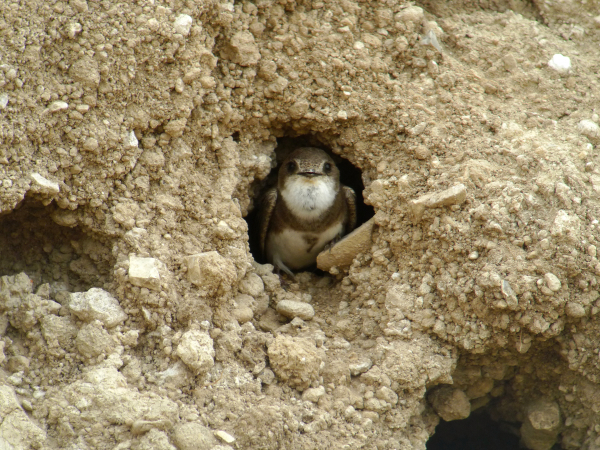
x=327, y=167
x=291, y=166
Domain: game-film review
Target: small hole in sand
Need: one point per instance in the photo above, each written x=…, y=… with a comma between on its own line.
x=349, y=176
x=476, y=432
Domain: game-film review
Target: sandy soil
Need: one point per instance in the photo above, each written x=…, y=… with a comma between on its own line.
x=134, y=140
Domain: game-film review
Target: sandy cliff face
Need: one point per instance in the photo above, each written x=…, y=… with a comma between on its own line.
x=134, y=140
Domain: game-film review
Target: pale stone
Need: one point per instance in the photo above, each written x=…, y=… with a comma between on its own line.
x=242, y=49
x=183, y=24
x=193, y=436
x=575, y=310
x=291, y=309
x=452, y=196
x=450, y=403
x=313, y=394
x=42, y=185
x=296, y=361
x=343, y=253
x=552, y=282
x=225, y=437
x=196, y=350
x=210, y=271
x=97, y=304
x=144, y=272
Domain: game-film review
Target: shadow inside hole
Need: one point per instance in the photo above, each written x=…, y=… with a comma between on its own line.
x=32, y=242
x=477, y=432
x=350, y=176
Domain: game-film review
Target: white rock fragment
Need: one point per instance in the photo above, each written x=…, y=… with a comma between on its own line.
x=566, y=226
x=57, y=106
x=560, y=63
x=42, y=185
x=183, y=24
x=196, y=350
x=452, y=196
x=509, y=295
x=131, y=141
x=589, y=128
x=292, y=309
x=3, y=100
x=225, y=437
x=210, y=271
x=360, y=367
x=143, y=272
x=552, y=282
x=431, y=39
x=97, y=304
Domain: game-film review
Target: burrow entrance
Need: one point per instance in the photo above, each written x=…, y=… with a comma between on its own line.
x=502, y=402
x=478, y=432
x=350, y=175
x=32, y=242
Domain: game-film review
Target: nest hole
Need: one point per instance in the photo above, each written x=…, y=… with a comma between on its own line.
x=32, y=242
x=477, y=432
x=350, y=175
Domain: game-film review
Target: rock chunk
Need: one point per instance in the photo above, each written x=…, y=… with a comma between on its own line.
x=292, y=309
x=193, y=436
x=143, y=272
x=210, y=271
x=452, y=196
x=93, y=340
x=16, y=429
x=86, y=72
x=450, y=403
x=196, y=350
x=540, y=429
x=343, y=253
x=183, y=24
x=97, y=304
x=242, y=49
x=42, y=185
x=295, y=360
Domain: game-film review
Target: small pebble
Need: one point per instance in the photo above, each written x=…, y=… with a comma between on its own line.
x=552, y=282
x=560, y=63
x=291, y=309
x=183, y=24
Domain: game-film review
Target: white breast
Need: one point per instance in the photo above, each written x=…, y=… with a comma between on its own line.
x=308, y=198
x=290, y=249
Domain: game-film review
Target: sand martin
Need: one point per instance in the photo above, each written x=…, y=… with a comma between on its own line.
x=307, y=210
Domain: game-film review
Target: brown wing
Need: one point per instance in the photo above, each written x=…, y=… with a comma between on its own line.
x=266, y=211
x=351, y=204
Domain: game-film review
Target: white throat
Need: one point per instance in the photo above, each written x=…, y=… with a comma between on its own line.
x=308, y=198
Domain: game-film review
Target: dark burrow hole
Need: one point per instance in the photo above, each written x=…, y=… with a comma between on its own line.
x=349, y=175
x=478, y=432
x=32, y=242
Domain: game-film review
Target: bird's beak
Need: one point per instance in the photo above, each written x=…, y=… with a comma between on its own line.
x=310, y=174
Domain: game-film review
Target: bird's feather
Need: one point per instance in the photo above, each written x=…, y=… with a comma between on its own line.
x=267, y=206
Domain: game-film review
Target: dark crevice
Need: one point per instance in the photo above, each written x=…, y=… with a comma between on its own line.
x=32, y=242
x=477, y=432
